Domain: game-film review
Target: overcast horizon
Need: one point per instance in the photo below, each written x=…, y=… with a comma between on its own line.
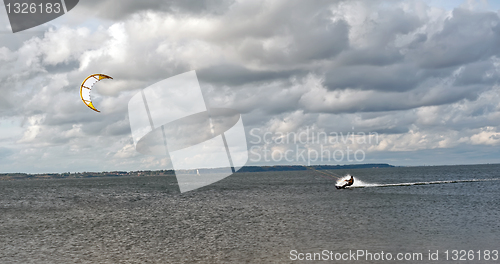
x=421, y=75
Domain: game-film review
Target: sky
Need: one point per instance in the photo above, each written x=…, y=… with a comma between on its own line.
x=416, y=82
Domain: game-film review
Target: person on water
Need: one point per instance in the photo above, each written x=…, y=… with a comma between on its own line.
x=349, y=183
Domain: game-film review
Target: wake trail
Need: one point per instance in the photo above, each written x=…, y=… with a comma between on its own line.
x=360, y=184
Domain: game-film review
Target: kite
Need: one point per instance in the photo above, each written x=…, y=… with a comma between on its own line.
x=87, y=86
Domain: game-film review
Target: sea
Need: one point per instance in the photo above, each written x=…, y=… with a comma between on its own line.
x=435, y=214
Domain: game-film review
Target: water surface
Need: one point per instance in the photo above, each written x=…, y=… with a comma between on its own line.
x=250, y=217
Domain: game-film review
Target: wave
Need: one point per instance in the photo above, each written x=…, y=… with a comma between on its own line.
x=360, y=184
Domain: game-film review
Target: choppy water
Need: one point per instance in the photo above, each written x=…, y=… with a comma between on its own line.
x=251, y=217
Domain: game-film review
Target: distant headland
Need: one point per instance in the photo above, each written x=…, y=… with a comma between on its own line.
x=75, y=175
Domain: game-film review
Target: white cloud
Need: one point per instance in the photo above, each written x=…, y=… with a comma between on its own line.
x=488, y=136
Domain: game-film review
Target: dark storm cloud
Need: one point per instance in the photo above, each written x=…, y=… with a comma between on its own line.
x=396, y=77
x=462, y=53
x=372, y=56
x=237, y=75
x=477, y=72
x=314, y=38
x=419, y=40
x=63, y=67
x=467, y=36
x=389, y=24
x=320, y=39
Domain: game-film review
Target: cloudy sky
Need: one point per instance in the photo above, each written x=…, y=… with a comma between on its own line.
x=422, y=75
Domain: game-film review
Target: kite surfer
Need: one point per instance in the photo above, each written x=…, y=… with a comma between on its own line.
x=349, y=182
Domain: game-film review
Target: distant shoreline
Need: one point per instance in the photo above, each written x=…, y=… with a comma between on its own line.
x=80, y=175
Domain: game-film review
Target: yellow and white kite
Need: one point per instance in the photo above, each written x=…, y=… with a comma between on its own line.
x=87, y=86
